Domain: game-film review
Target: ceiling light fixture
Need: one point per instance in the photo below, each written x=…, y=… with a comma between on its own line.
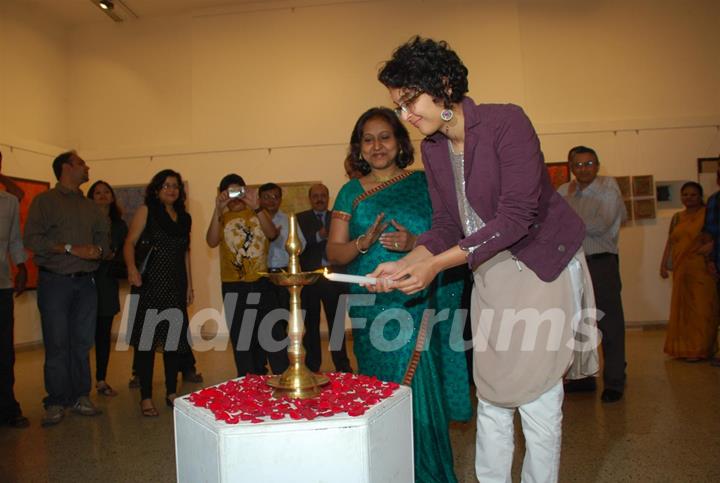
x=106, y=4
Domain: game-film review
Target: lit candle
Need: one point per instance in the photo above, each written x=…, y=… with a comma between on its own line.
x=344, y=277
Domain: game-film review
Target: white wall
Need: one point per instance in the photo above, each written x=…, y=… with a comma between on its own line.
x=34, y=55
x=273, y=95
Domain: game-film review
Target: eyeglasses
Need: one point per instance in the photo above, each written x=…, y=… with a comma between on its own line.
x=405, y=102
x=269, y=196
x=583, y=164
x=169, y=186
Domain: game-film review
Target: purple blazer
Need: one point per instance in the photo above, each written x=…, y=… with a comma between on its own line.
x=507, y=184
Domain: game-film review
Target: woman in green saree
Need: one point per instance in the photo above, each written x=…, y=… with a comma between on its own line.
x=376, y=218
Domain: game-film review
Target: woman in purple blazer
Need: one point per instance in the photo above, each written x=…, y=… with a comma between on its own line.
x=495, y=209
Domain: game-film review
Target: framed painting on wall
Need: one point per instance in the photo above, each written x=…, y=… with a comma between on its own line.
x=129, y=198
x=624, y=185
x=559, y=173
x=643, y=186
x=31, y=188
x=707, y=174
x=644, y=209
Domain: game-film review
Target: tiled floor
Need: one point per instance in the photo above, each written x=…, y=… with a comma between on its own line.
x=667, y=429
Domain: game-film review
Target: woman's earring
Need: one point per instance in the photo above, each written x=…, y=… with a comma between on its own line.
x=446, y=115
x=360, y=157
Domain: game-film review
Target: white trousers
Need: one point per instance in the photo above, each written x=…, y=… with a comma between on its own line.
x=542, y=427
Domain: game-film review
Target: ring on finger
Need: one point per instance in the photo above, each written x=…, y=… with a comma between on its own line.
x=396, y=245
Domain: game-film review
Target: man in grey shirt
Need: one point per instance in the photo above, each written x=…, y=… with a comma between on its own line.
x=68, y=235
x=10, y=244
x=598, y=201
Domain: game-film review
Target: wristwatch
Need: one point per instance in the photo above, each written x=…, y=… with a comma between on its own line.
x=68, y=249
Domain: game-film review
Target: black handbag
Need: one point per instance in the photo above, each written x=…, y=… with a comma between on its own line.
x=144, y=249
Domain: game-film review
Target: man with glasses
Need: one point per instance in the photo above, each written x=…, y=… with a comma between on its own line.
x=278, y=258
x=598, y=201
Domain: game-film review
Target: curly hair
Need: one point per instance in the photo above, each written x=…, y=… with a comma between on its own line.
x=156, y=184
x=115, y=212
x=429, y=66
x=406, y=152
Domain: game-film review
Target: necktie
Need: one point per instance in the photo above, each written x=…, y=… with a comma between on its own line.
x=321, y=218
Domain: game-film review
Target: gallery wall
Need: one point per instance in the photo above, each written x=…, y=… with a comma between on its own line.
x=273, y=95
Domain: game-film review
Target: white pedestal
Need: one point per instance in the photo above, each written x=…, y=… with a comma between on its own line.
x=374, y=448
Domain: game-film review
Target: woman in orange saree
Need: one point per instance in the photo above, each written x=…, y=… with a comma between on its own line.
x=693, y=324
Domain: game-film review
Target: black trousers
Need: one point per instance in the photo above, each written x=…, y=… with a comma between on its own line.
x=607, y=286
x=329, y=294
x=186, y=362
x=103, y=327
x=249, y=303
x=9, y=407
x=145, y=363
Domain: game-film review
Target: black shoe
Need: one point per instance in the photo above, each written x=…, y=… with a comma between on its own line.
x=586, y=384
x=611, y=396
x=18, y=421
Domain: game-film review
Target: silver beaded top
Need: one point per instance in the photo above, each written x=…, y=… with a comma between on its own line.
x=471, y=220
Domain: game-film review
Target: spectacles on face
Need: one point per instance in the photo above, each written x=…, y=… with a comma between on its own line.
x=170, y=186
x=405, y=103
x=585, y=164
x=269, y=196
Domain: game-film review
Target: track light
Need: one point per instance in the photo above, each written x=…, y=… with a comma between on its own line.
x=106, y=4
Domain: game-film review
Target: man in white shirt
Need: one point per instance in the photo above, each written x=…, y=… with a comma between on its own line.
x=598, y=201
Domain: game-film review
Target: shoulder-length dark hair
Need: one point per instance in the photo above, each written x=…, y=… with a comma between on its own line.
x=156, y=184
x=115, y=212
x=406, y=152
x=428, y=66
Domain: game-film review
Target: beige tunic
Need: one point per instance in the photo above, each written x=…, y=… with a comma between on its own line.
x=524, y=339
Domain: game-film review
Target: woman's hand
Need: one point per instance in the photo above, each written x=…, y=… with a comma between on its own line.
x=398, y=241
x=134, y=276
x=415, y=278
x=383, y=272
x=372, y=234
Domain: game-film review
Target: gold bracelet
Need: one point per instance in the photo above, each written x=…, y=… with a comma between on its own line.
x=357, y=244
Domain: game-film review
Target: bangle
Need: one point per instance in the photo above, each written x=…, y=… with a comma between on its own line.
x=357, y=244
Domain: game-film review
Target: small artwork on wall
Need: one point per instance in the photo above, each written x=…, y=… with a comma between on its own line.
x=644, y=209
x=129, y=198
x=643, y=186
x=624, y=185
x=707, y=174
x=559, y=173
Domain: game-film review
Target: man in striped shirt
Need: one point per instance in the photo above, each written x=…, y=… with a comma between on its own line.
x=598, y=201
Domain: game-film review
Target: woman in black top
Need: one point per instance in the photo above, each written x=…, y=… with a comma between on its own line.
x=106, y=281
x=165, y=287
